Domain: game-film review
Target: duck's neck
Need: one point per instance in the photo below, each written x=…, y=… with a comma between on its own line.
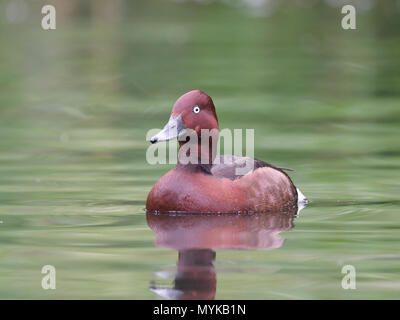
x=201, y=152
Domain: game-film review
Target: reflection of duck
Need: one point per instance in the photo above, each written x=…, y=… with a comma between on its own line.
x=195, y=235
x=203, y=185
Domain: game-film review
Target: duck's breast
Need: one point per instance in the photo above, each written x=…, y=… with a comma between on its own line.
x=185, y=191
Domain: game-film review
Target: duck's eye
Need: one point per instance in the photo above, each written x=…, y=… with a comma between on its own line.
x=196, y=109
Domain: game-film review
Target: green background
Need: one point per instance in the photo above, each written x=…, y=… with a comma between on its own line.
x=76, y=104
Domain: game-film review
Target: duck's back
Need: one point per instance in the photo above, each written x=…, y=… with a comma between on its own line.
x=234, y=167
x=267, y=187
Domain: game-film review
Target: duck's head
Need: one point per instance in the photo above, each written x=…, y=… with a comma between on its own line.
x=194, y=110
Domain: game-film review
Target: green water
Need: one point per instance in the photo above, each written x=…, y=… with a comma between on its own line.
x=75, y=106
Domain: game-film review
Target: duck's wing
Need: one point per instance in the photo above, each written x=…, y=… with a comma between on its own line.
x=233, y=167
x=261, y=164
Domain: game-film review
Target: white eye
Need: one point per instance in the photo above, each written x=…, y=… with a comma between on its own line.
x=196, y=109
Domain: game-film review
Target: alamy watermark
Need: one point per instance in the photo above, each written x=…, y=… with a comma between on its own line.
x=200, y=147
x=49, y=280
x=49, y=20
x=18, y=11
x=349, y=280
x=349, y=20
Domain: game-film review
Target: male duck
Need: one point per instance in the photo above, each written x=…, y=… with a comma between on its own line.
x=215, y=187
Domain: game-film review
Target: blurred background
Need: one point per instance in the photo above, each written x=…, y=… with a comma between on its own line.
x=76, y=104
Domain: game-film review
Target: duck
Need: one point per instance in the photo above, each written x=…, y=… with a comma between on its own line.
x=211, y=185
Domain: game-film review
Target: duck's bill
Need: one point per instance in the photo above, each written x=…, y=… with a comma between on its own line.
x=172, y=130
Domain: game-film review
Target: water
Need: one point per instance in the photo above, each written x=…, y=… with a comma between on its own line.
x=75, y=106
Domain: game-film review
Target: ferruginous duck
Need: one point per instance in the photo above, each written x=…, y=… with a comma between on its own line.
x=201, y=184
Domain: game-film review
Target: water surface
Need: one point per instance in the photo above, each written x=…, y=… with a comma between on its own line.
x=75, y=106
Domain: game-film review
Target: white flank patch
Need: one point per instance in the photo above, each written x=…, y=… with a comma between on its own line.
x=301, y=201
